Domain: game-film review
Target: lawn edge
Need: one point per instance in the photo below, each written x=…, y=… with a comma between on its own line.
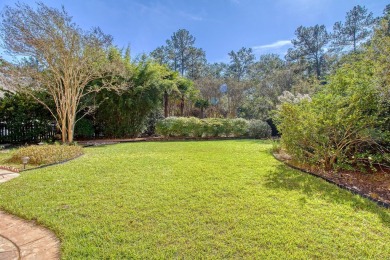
x=352, y=190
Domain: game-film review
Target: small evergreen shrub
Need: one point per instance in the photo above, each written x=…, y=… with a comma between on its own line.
x=239, y=127
x=46, y=154
x=259, y=129
x=214, y=127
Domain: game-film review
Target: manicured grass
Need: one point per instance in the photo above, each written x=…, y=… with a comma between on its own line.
x=215, y=199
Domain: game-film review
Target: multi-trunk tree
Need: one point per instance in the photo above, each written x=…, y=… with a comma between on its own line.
x=65, y=60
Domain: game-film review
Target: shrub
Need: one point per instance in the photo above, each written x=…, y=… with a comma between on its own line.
x=211, y=127
x=84, y=129
x=25, y=119
x=214, y=127
x=46, y=154
x=195, y=127
x=164, y=127
x=259, y=129
x=341, y=127
x=239, y=127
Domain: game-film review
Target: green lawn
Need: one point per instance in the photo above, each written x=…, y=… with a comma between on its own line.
x=214, y=199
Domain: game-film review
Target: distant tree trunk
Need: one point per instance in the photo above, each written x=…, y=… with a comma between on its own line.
x=182, y=106
x=201, y=112
x=166, y=104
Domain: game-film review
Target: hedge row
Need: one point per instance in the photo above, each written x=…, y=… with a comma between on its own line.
x=212, y=127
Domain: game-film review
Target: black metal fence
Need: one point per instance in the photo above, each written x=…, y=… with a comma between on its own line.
x=31, y=132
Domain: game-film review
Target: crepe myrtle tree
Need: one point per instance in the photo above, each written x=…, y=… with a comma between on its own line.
x=52, y=55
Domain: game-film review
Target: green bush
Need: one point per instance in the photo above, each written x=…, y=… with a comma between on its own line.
x=46, y=154
x=259, y=129
x=214, y=127
x=341, y=127
x=84, y=129
x=164, y=127
x=239, y=127
x=25, y=119
x=195, y=127
x=210, y=127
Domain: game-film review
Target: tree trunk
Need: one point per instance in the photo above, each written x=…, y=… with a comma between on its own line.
x=64, y=132
x=201, y=113
x=166, y=104
x=182, y=106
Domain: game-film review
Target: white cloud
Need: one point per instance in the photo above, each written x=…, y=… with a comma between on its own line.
x=275, y=45
x=278, y=47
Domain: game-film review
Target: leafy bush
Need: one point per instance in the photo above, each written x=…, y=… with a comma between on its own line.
x=126, y=113
x=239, y=127
x=195, y=127
x=46, y=154
x=25, y=119
x=341, y=127
x=214, y=127
x=84, y=128
x=259, y=129
x=210, y=127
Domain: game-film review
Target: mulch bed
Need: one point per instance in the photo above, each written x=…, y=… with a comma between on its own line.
x=373, y=185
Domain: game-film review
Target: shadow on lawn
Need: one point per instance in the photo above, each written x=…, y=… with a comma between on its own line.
x=286, y=178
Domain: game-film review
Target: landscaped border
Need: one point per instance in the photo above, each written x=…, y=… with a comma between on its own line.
x=352, y=190
x=52, y=164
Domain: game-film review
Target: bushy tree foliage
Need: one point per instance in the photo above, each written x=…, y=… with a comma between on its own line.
x=181, y=55
x=241, y=63
x=63, y=60
x=25, y=119
x=356, y=29
x=124, y=113
x=309, y=44
x=341, y=126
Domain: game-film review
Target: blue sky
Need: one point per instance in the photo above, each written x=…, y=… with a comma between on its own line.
x=219, y=26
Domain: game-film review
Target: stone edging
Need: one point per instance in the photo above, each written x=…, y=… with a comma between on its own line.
x=352, y=190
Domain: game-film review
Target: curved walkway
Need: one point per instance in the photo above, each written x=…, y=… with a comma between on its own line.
x=21, y=239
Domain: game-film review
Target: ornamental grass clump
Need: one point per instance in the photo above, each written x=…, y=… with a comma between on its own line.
x=46, y=154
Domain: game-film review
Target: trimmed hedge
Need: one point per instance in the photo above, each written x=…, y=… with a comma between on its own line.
x=212, y=127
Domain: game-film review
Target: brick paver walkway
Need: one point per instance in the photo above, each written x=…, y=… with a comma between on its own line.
x=21, y=239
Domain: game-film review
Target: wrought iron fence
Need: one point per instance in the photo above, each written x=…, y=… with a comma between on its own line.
x=31, y=132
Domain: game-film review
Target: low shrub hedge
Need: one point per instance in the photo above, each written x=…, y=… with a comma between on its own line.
x=259, y=129
x=46, y=154
x=212, y=127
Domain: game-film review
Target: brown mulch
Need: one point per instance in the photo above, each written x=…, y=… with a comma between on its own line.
x=375, y=185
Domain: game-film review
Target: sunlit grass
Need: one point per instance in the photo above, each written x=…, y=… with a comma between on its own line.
x=215, y=199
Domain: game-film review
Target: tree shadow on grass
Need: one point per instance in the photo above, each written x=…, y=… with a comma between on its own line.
x=288, y=179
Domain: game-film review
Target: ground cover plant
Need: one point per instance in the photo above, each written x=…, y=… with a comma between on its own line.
x=45, y=154
x=209, y=199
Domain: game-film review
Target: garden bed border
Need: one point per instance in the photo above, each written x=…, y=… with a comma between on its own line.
x=352, y=190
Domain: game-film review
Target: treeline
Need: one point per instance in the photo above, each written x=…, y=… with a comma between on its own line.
x=249, y=87
x=94, y=89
